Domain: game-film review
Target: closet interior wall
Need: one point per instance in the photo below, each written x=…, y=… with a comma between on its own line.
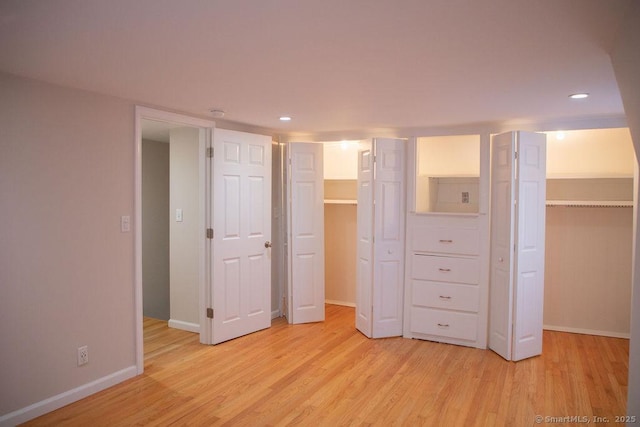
x=589, y=232
x=340, y=216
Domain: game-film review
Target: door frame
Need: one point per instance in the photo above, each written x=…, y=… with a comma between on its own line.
x=204, y=219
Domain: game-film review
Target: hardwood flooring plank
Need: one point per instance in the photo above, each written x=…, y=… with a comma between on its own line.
x=330, y=374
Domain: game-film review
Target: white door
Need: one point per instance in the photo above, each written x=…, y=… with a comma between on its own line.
x=388, y=232
x=241, y=209
x=306, y=233
x=530, y=236
x=381, y=231
x=364, y=268
x=502, y=243
x=517, y=244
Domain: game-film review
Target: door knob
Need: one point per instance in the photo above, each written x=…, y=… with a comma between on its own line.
x=267, y=244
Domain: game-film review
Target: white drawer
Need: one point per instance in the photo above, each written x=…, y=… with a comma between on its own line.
x=448, y=240
x=445, y=269
x=444, y=323
x=446, y=295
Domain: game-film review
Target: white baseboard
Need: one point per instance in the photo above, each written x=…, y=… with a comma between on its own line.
x=185, y=326
x=586, y=331
x=344, y=303
x=58, y=401
x=275, y=314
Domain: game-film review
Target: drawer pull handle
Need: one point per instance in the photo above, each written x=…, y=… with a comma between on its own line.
x=446, y=241
x=444, y=270
x=444, y=297
x=443, y=325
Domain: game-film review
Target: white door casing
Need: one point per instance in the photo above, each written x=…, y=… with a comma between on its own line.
x=381, y=238
x=517, y=244
x=306, y=233
x=241, y=210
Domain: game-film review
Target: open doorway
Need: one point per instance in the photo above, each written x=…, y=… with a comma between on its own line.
x=170, y=229
x=171, y=210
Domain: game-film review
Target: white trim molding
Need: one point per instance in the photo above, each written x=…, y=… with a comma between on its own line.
x=185, y=326
x=58, y=401
x=586, y=331
x=342, y=303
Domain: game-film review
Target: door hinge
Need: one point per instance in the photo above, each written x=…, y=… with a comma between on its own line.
x=209, y=233
x=515, y=155
x=210, y=313
x=210, y=152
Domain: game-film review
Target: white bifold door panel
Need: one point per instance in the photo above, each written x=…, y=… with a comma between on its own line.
x=381, y=238
x=518, y=192
x=305, y=233
x=241, y=210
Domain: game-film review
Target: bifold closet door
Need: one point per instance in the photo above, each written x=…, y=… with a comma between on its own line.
x=381, y=237
x=306, y=233
x=518, y=190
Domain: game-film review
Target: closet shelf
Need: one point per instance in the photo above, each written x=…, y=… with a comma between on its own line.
x=340, y=202
x=591, y=203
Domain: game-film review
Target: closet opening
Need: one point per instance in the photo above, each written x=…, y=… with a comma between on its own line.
x=589, y=231
x=340, y=218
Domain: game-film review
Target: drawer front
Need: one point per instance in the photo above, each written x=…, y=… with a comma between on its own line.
x=448, y=240
x=445, y=269
x=446, y=295
x=444, y=323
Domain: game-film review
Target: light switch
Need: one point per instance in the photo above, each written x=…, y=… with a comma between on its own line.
x=125, y=223
x=178, y=215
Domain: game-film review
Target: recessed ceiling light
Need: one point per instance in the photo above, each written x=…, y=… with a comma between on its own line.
x=217, y=113
x=578, y=95
x=285, y=118
x=560, y=135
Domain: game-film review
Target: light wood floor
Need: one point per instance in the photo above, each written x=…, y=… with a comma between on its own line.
x=329, y=374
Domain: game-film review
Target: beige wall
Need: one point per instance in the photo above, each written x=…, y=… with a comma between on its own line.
x=626, y=64
x=593, y=152
x=340, y=253
x=340, y=160
x=184, y=235
x=457, y=155
x=66, y=270
x=278, y=230
x=155, y=229
x=588, y=269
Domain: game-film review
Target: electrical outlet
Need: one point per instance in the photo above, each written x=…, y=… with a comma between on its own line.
x=465, y=197
x=83, y=355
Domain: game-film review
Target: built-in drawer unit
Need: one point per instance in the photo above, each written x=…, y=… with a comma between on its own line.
x=448, y=296
x=446, y=269
x=447, y=278
x=447, y=240
x=451, y=324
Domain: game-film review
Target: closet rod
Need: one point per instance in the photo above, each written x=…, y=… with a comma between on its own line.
x=590, y=203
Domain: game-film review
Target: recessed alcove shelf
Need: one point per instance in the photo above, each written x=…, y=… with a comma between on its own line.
x=590, y=192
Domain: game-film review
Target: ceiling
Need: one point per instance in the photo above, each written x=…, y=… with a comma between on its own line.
x=333, y=65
